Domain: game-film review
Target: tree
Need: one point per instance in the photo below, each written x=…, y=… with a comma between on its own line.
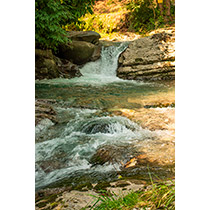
x=146, y=15
x=165, y=9
x=52, y=15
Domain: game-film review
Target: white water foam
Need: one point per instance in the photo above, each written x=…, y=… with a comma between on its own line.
x=80, y=139
x=99, y=72
x=86, y=132
x=103, y=70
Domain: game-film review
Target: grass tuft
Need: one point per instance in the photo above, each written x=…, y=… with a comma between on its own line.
x=156, y=196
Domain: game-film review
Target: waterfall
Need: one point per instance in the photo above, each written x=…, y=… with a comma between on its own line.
x=104, y=69
x=65, y=150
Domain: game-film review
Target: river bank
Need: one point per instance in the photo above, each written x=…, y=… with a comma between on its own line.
x=146, y=58
x=97, y=130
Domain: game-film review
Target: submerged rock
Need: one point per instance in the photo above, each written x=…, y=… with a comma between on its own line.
x=149, y=58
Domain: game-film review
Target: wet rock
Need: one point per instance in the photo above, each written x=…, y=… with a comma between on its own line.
x=111, y=154
x=149, y=58
x=96, y=53
x=43, y=110
x=68, y=69
x=102, y=156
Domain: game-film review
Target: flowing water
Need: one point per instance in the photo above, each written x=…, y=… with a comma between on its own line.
x=86, y=124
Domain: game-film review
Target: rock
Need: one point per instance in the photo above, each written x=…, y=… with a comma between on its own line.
x=83, y=47
x=69, y=70
x=106, y=43
x=79, y=52
x=149, y=58
x=87, y=36
x=45, y=65
x=48, y=66
x=43, y=110
x=102, y=156
x=111, y=154
x=96, y=53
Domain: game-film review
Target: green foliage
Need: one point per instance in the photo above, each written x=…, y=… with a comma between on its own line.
x=101, y=23
x=112, y=201
x=140, y=14
x=144, y=15
x=52, y=15
x=157, y=196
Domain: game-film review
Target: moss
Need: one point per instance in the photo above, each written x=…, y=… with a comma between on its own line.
x=83, y=187
x=122, y=185
x=102, y=186
x=46, y=200
x=52, y=205
x=42, y=204
x=160, y=105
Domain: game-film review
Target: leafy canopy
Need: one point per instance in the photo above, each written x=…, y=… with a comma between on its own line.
x=52, y=15
x=145, y=15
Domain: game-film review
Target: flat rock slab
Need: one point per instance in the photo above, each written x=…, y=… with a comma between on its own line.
x=149, y=58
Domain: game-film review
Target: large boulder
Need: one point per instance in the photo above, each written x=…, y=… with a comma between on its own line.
x=149, y=58
x=48, y=66
x=87, y=36
x=84, y=46
x=45, y=65
x=79, y=52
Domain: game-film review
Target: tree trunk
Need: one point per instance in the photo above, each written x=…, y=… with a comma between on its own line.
x=160, y=5
x=167, y=10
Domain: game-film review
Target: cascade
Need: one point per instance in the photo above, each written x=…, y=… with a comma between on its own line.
x=103, y=70
x=65, y=150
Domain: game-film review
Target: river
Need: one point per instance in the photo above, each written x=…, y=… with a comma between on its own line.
x=86, y=108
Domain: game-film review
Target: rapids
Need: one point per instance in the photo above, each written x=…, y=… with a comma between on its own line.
x=86, y=123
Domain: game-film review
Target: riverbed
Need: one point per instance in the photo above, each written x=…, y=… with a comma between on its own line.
x=128, y=125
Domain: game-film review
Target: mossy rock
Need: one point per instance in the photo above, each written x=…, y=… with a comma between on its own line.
x=160, y=105
x=121, y=183
x=83, y=187
x=45, y=65
x=102, y=186
x=78, y=52
x=48, y=199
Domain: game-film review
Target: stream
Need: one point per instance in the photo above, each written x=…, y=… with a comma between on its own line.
x=87, y=123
